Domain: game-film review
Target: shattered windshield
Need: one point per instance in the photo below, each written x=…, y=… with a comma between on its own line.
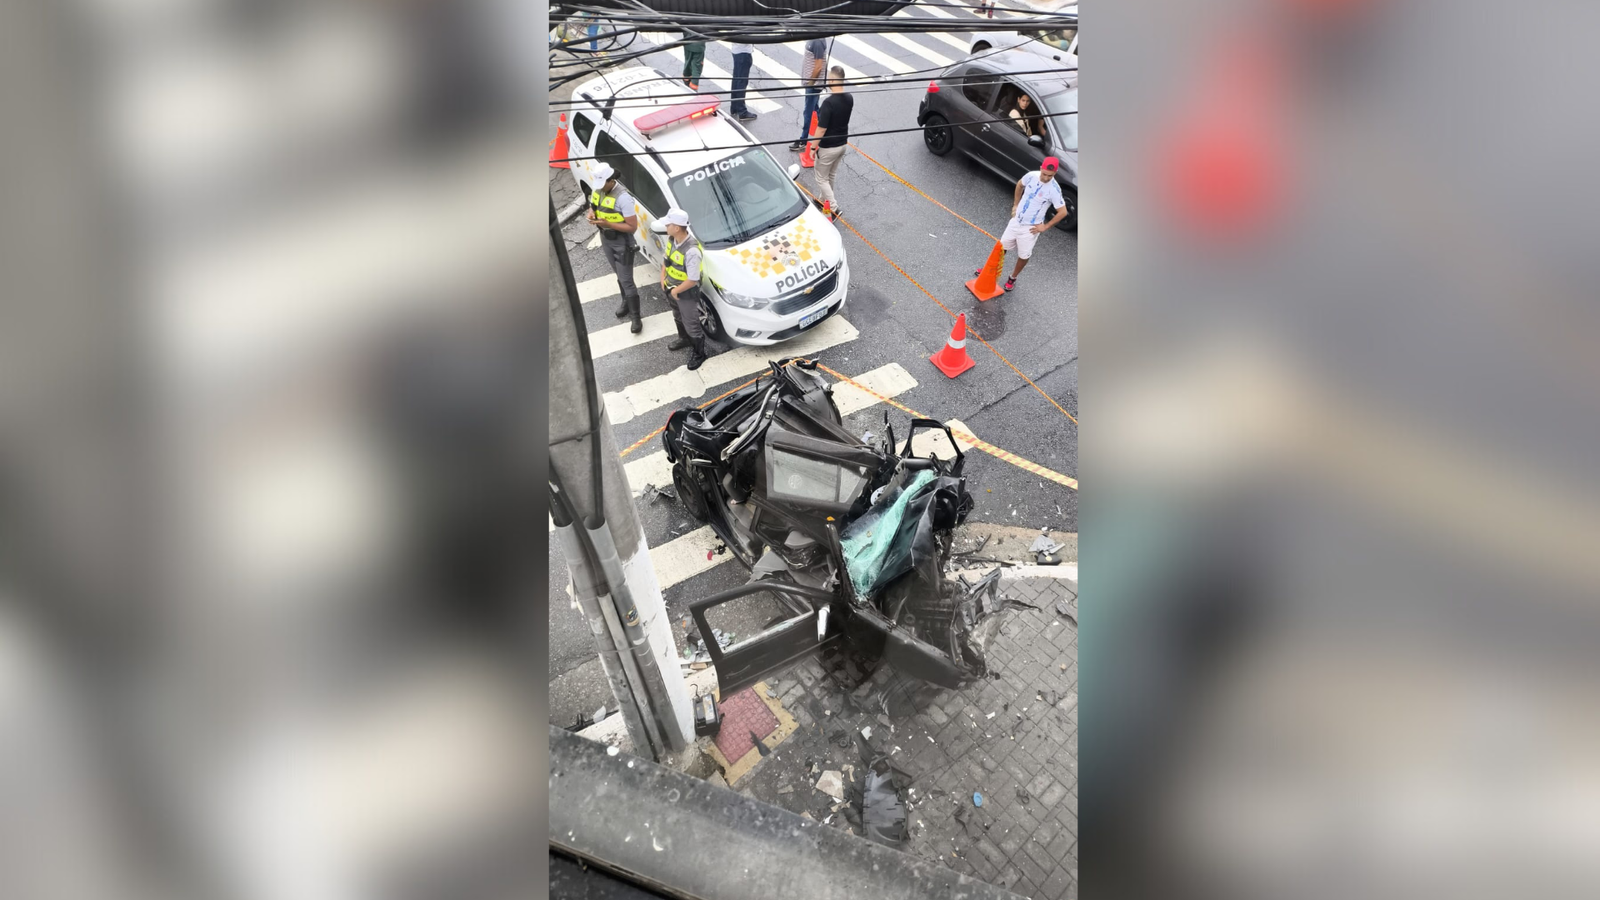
x=735, y=199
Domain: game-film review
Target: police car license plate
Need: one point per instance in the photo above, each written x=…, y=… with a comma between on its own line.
x=814, y=318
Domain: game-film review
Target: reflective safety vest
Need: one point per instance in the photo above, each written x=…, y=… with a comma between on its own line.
x=605, y=207
x=675, y=262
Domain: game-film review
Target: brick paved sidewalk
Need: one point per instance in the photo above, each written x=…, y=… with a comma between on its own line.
x=1012, y=736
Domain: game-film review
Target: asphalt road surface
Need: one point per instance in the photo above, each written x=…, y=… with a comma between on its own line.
x=885, y=334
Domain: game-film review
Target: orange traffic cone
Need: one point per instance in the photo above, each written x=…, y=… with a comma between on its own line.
x=559, y=149
x=807, y=158
x=953, y=359
x=984, y=287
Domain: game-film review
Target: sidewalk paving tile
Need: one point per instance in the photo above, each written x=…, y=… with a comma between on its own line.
x=1028, y=846
x=1057, y=884
x=1032, y=871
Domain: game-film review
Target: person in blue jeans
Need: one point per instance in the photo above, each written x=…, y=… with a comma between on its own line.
x=743, y=55
x=811, y=69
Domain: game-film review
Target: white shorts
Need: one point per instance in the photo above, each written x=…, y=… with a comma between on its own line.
x=1019, y=239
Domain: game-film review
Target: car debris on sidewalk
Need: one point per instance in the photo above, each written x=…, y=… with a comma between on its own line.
x=832, y=784
x=883, y=813
x=650, y=493
x=853, y=537
x=1046, y=552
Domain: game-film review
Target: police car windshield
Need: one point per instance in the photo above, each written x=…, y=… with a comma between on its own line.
x=735, y=199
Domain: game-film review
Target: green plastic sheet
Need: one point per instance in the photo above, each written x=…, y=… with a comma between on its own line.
x=877, y=546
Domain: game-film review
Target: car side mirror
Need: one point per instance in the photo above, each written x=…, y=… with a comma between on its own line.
x=794, y=172
x=1035, y=140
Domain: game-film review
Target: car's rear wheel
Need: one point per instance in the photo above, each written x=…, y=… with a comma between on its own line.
x=710, y=322
x=938, y=135
x=980, y=46
x=1070, y=223
x=689, y=493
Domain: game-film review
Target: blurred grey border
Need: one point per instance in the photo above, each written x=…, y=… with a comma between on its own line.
x=273, y=413
x=1338, y=318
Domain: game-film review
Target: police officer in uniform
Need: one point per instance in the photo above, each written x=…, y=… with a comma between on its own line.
x=680, y=277
x=612, y=211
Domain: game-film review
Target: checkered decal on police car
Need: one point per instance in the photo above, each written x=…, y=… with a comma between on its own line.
x=779, y=251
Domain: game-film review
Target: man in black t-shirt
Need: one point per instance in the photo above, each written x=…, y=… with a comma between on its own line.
x=834, y=120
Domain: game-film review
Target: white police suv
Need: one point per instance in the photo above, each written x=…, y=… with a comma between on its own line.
x=774, y=265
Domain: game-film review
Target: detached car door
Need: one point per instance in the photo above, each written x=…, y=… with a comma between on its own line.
x=806, y=480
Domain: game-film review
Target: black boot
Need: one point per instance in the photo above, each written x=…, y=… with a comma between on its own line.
x=638, y=324
x=697, y=353
x=624, y=309
x=682, y=339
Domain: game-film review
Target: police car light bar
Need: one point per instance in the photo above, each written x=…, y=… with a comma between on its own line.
x=661, y=118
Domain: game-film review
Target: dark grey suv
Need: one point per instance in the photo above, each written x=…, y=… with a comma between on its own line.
x=960, y=110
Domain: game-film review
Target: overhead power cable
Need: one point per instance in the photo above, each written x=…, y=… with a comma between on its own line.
x=654, y=151
x=631, y=22
x=892, y=86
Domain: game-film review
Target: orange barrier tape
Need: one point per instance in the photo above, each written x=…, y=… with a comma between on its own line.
x=1054, y=476
x=641, y=442
x=985, y=446
x=646, y=439
x=891, y=173
x=1015, y=460
x=997, y=353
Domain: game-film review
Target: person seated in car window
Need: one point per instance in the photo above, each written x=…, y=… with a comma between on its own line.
x=1026, y=117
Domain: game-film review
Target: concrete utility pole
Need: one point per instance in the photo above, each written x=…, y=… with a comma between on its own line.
x=613, y=579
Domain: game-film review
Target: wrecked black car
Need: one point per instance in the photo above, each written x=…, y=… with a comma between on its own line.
x=852, y=538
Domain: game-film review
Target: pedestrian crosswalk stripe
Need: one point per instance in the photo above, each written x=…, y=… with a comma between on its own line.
x=785, y=75
x=891, y=380
x=935, y=58
x=653, y=470
x=710, y=70
x=874, y=54
x=620, y=337
x=850, y=72
x=939, y=36
x=753, y=99
x=681, y=384
x=606, y=285
x=684, y=557
x=934, y=443
x=932, y=10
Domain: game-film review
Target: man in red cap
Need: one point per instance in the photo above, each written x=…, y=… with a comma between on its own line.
x=1036, y=193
